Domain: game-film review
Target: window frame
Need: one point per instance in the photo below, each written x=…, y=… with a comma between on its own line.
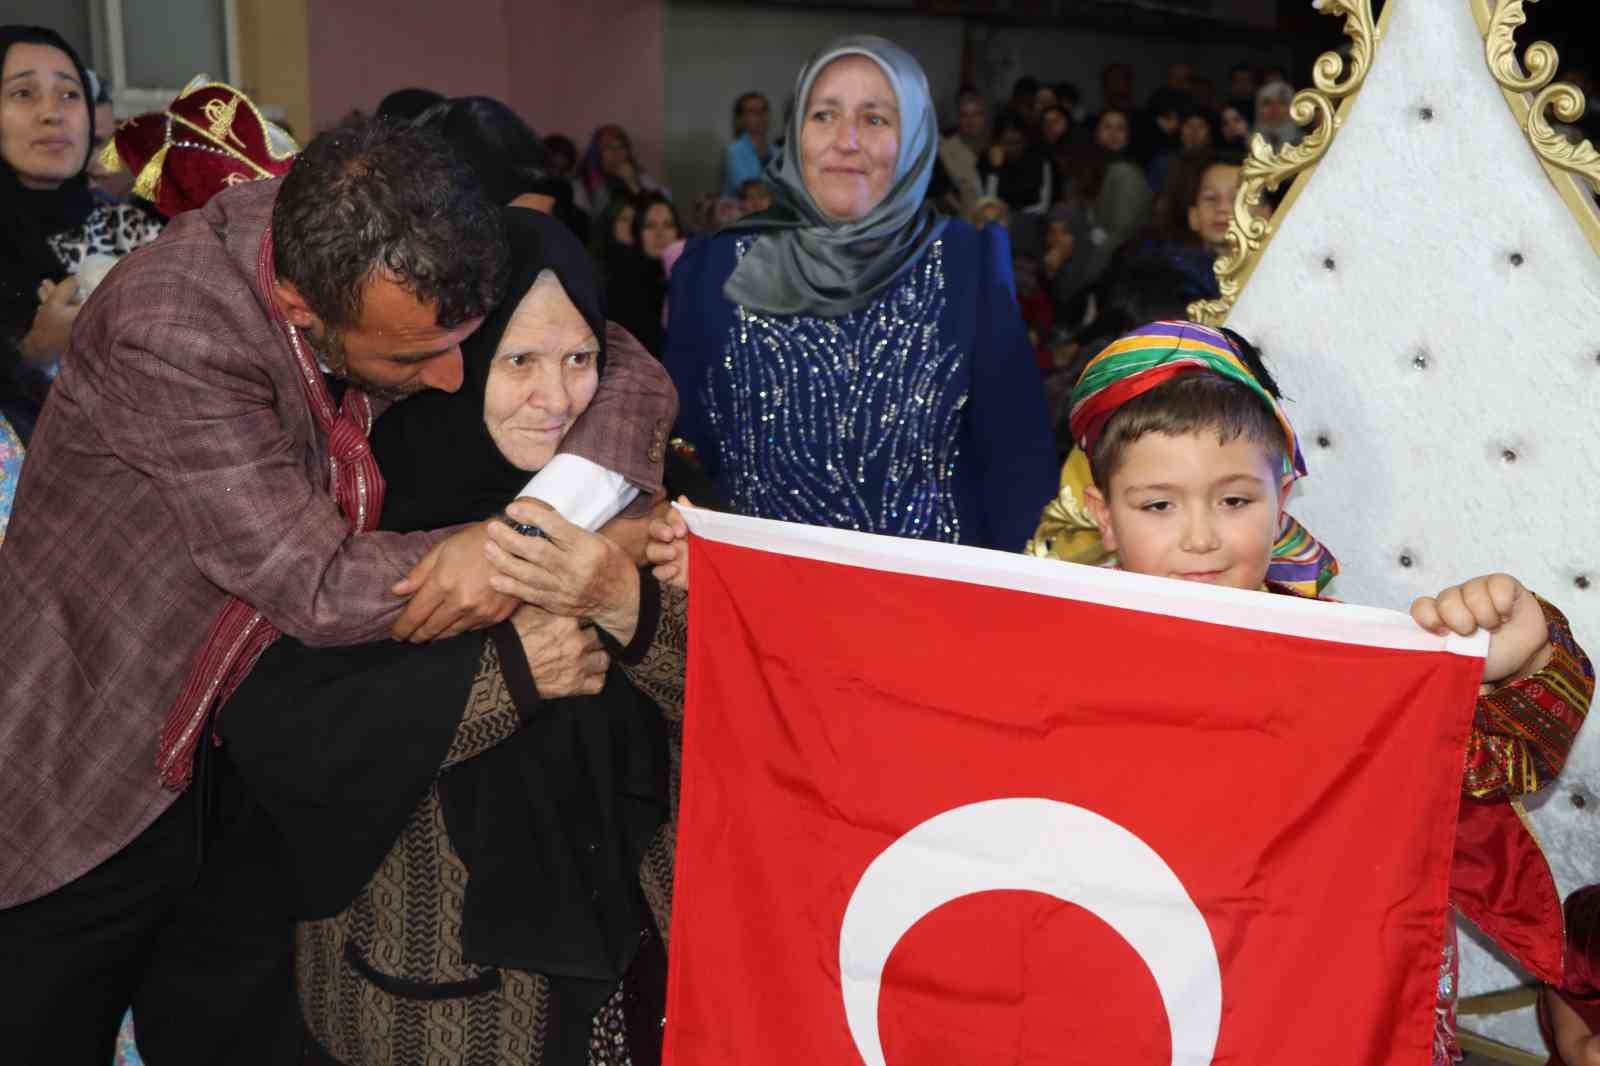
x=110, y=49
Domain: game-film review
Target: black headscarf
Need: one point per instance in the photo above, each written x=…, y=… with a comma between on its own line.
x=438, y=460
x=505, y=153
x=341, y=744
x=27, y=218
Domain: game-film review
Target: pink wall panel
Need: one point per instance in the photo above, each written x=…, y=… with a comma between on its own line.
x=575, y=66
x=564, y=66
x=362, y=49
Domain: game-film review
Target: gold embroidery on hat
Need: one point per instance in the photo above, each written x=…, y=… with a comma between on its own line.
x=221, y=113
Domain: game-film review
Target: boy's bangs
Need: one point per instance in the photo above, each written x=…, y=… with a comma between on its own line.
x=1194, y=403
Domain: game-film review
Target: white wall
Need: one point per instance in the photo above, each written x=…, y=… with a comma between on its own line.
x=717, y=50
x=1430, y=305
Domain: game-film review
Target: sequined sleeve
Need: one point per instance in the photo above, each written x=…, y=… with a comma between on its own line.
x=1522, y=732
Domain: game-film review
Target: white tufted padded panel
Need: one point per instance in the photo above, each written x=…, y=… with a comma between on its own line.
x=1432, y=309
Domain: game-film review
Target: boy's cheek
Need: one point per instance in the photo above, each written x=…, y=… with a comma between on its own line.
x=1139, y=548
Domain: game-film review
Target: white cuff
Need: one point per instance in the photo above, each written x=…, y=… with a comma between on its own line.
x=584, y=493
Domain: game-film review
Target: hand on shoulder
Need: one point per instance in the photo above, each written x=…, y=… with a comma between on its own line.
x=1519, y=639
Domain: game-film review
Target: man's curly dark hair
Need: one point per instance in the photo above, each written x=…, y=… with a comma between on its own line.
x=376, y=195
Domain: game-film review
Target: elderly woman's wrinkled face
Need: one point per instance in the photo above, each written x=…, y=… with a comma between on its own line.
x=44, y=116
x=543, y=376
x=1111, y=132
x=850, y=142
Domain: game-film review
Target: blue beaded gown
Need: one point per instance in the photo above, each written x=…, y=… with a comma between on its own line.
x=920, y=415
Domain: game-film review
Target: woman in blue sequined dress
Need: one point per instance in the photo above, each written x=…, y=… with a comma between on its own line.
x=850, y=358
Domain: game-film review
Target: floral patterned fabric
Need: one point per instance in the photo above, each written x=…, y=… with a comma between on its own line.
x=127, y=1054
x=10, y=471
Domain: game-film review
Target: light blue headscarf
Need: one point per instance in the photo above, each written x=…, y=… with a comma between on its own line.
x=808, y=264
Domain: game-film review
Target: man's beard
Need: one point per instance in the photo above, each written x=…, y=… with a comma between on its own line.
x=329, y=344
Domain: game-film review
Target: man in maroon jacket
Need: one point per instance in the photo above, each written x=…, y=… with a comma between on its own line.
x=199, y=482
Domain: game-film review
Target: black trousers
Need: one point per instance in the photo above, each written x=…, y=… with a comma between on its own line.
x=187, y=924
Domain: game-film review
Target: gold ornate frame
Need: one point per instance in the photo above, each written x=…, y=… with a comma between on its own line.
x=1335, y=82
x=1533, y=95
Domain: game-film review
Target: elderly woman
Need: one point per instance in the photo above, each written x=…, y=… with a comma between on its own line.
x=850, y=358
x=1272, y=115
x=636, y=273
x=477, y=829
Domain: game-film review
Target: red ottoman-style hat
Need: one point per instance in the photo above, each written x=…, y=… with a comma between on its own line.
x=210, y=138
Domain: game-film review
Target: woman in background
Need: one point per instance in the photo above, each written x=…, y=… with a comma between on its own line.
x=49, y=219
x=636, y=279
x=850, y=358
x=609, y=169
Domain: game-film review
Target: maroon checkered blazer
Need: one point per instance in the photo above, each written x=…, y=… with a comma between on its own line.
x=177, y=462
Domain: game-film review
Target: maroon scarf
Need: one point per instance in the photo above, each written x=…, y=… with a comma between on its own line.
x=241, y=633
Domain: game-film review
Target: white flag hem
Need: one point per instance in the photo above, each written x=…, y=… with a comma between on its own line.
x=1242, y=609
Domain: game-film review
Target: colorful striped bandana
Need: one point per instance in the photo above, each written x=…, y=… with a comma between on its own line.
x=1152, y=355
x=1133, y=365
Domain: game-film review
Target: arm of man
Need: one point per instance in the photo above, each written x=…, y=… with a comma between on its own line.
x=624, y=433
x=209, y=441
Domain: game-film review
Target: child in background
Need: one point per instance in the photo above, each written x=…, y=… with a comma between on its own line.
x=1569, y=1016
x=754, y=197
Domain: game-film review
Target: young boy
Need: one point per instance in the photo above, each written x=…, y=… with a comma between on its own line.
x=1191, y=460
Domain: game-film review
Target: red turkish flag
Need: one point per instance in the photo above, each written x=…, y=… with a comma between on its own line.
x=942, y=805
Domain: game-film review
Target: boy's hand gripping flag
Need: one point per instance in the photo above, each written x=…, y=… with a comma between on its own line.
x=948, y=806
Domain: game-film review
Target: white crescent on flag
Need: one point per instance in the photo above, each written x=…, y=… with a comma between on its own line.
x=1034, y=845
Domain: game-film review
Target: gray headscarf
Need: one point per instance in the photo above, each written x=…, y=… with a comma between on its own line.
x=806, y=263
